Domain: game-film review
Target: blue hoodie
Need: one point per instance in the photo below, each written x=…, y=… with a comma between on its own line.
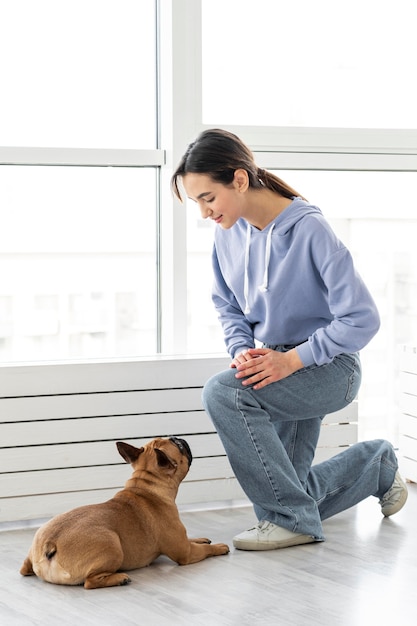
x=292, y=283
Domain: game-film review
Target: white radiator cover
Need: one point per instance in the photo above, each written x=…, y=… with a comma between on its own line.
x=408, y=419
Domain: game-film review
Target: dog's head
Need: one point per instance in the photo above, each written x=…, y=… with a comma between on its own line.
x=171, y=456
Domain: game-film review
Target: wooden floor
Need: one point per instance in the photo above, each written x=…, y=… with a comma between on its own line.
x=364, y=574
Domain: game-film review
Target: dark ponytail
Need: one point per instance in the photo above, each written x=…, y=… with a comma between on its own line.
x=218, y=154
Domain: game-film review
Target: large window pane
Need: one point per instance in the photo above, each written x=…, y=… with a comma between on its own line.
x=77, y=73
x=316, y=64
x=77, y=262
x=374, y=214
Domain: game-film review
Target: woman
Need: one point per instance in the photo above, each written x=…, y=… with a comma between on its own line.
x=283, y=280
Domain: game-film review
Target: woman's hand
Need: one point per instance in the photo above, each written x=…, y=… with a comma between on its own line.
x=262, y=366
x=241, y=358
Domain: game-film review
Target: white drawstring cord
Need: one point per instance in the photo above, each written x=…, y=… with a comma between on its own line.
x=246, y=277
x=264, y=286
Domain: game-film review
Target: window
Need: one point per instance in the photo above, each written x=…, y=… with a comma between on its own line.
x=78, y=250
x=78, y=73
x=309, y=64
x=78, y=243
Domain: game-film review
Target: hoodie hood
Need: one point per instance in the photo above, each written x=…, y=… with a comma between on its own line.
x=294, y=212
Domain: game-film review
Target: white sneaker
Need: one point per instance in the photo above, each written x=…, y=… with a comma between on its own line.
x=267, y=536
x=395, y=498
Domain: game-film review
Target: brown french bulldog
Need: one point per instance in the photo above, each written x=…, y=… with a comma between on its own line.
x=90, y=544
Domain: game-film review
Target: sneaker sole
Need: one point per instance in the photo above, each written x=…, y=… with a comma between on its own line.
x=242, y=544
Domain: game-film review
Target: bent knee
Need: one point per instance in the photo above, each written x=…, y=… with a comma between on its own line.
x=215, y=388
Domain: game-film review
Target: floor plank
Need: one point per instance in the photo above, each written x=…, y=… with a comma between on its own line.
x=364, y=573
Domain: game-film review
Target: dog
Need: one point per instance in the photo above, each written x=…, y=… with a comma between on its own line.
x=92, y=544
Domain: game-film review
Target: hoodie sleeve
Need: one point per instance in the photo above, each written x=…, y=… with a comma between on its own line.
x=355, y=318
x=237, y=330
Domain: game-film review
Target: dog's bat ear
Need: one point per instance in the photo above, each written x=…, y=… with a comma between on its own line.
x=165, y=462
x=128, y=452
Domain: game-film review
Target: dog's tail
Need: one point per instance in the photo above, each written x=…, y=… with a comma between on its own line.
x=49, y=549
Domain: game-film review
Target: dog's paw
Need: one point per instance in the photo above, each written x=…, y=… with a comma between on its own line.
x=220, y=548
x=201, y=540
x=106, y=580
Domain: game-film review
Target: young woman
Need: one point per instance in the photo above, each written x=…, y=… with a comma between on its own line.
x=283, y=280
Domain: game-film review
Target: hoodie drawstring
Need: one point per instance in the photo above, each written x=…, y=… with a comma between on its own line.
x=264, y=286
x=246, y=277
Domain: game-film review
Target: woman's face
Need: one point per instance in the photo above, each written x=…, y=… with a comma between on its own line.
x=223, y=204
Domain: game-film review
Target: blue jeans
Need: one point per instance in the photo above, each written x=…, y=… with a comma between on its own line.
x=270, y=436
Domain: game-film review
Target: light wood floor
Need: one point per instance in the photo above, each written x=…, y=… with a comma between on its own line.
x=364, y=574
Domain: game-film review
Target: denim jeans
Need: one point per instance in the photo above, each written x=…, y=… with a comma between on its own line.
x=270, y=436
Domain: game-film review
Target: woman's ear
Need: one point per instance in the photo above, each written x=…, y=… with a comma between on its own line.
x=241, y=180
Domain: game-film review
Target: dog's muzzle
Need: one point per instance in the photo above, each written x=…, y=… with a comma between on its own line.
x=183, y=447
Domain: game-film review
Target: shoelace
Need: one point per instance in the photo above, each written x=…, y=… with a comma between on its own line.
x=261, y=526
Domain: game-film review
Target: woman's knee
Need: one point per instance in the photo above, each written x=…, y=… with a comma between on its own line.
x=215, y=389
x=378, y=449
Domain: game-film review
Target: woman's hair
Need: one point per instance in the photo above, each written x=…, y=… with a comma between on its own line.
x=218, y=154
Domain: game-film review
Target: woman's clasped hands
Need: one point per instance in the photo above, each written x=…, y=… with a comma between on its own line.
x=259, y=367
